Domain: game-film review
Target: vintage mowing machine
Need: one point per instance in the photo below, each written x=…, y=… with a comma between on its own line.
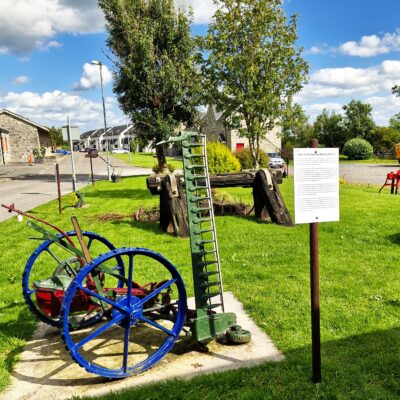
x=111, y=325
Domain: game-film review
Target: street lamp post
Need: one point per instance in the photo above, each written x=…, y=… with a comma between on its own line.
x=100, y=64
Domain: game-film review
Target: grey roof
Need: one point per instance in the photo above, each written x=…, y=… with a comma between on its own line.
x=113, y=130
x=218, y=114
x=88, y=133
x=28, y=121
x=3, y=130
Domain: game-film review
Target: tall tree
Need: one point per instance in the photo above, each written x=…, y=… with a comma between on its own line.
x=56, y=137
x=296, y=130
x=358, y=119
x=250, y=64
x=330, y=130
x=155, y=79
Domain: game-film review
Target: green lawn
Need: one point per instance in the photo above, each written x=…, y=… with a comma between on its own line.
x=146, y=160
x=266, y=266
x=394, y=162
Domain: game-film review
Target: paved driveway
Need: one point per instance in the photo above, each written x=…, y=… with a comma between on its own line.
x=28, y=187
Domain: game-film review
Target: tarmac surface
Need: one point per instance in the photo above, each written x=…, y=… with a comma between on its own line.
x=30, y=186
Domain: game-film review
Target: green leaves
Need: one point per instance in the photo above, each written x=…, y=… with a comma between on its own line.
x=250, y=64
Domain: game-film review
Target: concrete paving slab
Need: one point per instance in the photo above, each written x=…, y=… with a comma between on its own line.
x=45, y=370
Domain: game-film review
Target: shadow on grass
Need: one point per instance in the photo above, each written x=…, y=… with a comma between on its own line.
x=123, y=193
x=358, y=367
x=152, y=227
x=395, y=238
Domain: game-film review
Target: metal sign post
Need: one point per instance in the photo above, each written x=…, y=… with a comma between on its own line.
x=58, y=188
x=71, y=147
x=315, y=301
x=316, y=184
x=91, y=170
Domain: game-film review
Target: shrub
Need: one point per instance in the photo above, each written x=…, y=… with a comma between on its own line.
x=39, y=152
x=221, y=159
x=357, y=149
x=246, y=162
x=156, y=168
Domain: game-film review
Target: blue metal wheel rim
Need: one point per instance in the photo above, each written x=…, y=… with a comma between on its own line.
x=27, y=292
x=160, y=352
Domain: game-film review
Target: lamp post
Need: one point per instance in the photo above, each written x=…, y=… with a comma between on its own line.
x=100, y=64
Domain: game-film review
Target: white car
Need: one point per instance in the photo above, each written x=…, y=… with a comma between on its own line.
x=275, y=160
x=120, y=151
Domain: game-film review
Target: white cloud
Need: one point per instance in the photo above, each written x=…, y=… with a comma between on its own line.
x=331, y=88
x=203, y=10
x=91, y=77
x=373, y=45
x=348, y=81
x=52, y=108
x=21, y=80
x=27, y=25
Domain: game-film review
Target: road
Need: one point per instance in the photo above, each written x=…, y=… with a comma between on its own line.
x=29, y=187
x=366, y=174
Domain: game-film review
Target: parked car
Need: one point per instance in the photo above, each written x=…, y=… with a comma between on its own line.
x=275, y=160
x=92, y=153
x=120, y=151
x=62, y=151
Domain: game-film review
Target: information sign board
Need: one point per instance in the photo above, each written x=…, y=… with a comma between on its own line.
x=316, y=185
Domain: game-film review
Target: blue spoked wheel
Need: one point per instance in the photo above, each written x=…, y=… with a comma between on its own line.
x=50, y=259
x=140, y=323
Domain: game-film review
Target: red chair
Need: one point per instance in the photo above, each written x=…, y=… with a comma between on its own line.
x=392, y=180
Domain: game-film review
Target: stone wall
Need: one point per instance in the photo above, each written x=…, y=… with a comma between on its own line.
x=23, y=137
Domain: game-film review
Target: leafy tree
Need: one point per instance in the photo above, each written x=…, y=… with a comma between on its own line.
x=155, y=79
x=296, y=130
x=250, y=65
x=358, y=120
x=394, y=122
x=383, y=139
x=56, y=137
x=329, y=129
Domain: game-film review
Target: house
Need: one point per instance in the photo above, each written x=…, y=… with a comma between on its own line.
x=118, y=138
x=215, y=125
x=19, y=136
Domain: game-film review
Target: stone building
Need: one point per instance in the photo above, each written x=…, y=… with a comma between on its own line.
x=214, y=124
x=19, y=136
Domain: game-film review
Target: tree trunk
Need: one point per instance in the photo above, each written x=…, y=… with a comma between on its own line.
x=268, y=201
x=173, y=211
x=162, y=161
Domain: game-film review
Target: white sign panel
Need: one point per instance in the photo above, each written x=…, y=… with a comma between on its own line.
x=74, y=131
x=316, y=185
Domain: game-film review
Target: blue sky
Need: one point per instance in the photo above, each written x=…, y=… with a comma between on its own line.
x=46, y=47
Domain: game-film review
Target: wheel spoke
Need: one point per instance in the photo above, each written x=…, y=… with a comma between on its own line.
x=90, y=242
x=98, y=331
x=126, y=349
x=105, y=299
x=52, y=254
x=155, y=293
x=158, y=326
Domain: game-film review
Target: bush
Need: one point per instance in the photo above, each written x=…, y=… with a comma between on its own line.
x=246, y=162
x=221, y=159
x=357, y=149
x=156, y=168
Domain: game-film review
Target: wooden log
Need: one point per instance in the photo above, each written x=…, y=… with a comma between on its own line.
x=268, y=200
x=173, y=211
x=244, y=179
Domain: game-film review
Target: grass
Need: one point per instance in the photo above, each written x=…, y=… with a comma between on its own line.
x=146, y=160
x=266, y=266
x=345, y=160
